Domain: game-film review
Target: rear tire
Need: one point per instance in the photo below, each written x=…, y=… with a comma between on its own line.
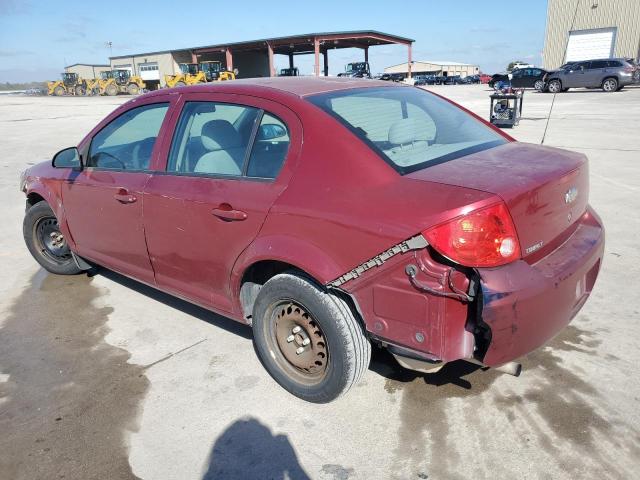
x=133, y=89
x=610, y=84
x=308, y=339
x=538, y=85
x=45, y=241
x=79, y=90
x=58, y=91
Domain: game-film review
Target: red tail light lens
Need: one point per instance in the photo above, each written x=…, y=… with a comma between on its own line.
x=481, y=238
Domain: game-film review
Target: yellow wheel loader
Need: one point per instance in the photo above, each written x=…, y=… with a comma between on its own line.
x=189, y=75
x=71, y=84
x=118, y=81
x=214, y=72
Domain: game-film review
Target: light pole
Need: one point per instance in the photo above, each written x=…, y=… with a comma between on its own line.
x=110, y=45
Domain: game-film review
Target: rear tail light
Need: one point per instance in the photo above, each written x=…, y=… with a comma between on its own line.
x=482, y=238
x=629, y=69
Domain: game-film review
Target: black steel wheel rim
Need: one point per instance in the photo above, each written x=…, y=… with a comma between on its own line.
x=292, y=329
x=51, y=241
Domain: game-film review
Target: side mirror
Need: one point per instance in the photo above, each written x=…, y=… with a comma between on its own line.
x=269, y=131
x=67, y=158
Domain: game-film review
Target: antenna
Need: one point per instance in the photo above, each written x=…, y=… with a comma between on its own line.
x=564, y=56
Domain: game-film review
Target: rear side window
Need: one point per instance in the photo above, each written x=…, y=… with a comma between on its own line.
x=409, y=128
x=127, y=142
x=599, y=64
x=228, y=139
x=614, y=64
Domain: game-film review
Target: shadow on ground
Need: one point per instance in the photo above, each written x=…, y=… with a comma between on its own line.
x=248, y=449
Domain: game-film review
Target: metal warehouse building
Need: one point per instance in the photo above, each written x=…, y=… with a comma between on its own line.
x=86, y=70
x=586, y=29
x=445, y=69
x=255, y=58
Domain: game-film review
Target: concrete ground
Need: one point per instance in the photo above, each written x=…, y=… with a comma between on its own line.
x=105, y=378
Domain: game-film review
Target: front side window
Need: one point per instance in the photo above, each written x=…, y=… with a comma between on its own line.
x=127, y=142
x=409, y=128
x=226, y=139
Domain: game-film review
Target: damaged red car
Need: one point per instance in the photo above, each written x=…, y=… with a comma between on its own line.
x=331, y=215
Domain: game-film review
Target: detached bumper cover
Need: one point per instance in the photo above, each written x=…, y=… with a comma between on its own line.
x=526, y=305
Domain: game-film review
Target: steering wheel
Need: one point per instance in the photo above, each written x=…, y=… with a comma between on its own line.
x=107, y=154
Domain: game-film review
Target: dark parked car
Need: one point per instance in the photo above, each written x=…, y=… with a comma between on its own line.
x=528, y=78
x=497, y=77
x=406, y=230
x=392, y=77
x=425, y=80
x=452, y=80
x=471, y=79
x=610, y=74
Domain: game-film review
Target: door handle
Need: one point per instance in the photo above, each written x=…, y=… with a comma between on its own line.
x=227, y=213
x=123, y=196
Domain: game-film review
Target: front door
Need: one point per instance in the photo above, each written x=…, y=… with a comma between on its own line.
x=103, y=202
x=229, y=159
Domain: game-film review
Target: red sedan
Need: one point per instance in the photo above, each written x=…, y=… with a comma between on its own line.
x=331, y=215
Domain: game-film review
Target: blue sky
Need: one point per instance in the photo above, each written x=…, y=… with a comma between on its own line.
x=37, y=38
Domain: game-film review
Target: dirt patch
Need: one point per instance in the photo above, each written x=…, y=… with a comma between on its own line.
x=69, y=397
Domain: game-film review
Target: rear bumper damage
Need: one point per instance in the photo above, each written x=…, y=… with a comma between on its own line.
x=428, y=312
x=526, y=305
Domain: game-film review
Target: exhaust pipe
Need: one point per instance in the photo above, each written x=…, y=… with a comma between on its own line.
x=512, y=368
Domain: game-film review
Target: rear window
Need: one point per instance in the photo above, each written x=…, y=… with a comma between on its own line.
x=409, y=128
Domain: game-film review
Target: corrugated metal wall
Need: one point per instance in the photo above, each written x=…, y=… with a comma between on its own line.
x=591, y=14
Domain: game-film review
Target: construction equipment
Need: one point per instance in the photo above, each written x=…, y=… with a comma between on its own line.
x=71, y=84
x=213, y=71
x=356, y=70
x=289, y=72
x=118, y=81
x=189, y=75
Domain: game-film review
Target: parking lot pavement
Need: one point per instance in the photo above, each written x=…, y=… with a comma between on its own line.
x=102, y=377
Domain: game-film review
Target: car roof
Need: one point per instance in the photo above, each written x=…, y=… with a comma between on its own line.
x=298, y=86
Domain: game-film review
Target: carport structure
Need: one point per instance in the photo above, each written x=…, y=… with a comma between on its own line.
x=311, y=43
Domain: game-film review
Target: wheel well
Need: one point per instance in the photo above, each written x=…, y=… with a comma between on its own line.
x=607, y=78
x=34, y=198
x=255, y=277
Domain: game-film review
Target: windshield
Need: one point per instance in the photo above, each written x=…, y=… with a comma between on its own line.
x=210, y=66
x=408, y=127
x=356, y=67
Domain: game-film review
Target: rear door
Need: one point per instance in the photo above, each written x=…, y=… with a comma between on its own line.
x=103, y=202
x=229, y=158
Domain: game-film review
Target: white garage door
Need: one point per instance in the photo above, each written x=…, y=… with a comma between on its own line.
x=149, y=71
x=588, y=44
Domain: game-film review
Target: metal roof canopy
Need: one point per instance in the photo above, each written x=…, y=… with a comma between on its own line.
x=310, y=43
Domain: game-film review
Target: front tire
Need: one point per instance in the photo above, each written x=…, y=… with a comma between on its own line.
x=308, y=339
x=111, y=90
x=555, y=86
x=133, y=89
x=45, y=241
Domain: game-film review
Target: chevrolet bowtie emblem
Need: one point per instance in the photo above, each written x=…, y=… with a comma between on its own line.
x=570, y=195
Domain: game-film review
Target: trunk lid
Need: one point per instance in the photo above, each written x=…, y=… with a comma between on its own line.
x=546, y=189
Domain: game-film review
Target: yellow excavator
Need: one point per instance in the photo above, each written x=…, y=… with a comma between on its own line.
x=71, y=84
x=118, y=81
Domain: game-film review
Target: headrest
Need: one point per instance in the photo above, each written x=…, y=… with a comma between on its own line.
x=403, y=131
x=219, y=135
